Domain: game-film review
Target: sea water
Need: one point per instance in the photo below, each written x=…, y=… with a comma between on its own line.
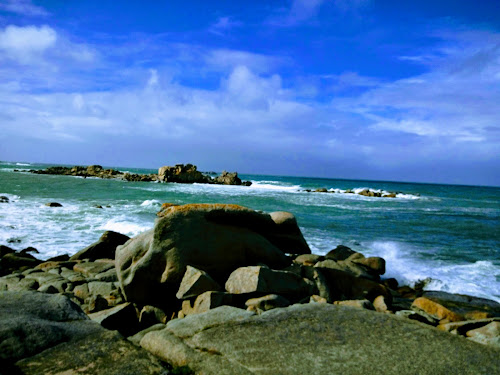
x=448, y=233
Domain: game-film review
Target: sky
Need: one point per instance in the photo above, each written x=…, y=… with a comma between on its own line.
x=359, y=89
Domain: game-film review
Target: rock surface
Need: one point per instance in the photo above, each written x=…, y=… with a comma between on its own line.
x=315, y=339
x=215, y=238
x=48, y=334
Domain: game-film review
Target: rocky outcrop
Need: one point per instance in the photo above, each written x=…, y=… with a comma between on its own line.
x=234, y=300
x=182, y=173
x=215, y=238
x=90, y=171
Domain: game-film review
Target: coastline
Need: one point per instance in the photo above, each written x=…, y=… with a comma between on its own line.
x=111, y=291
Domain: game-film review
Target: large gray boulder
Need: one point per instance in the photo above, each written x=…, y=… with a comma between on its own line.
x=315, y=339
x=215, y=238
x=48, y=334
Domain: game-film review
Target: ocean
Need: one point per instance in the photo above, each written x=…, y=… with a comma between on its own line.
x=449, y=234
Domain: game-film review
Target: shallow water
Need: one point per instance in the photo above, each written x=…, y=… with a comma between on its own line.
x=446, y=232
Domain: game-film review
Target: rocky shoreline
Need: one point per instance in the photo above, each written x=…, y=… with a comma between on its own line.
x=223, y=289
x=180, y=173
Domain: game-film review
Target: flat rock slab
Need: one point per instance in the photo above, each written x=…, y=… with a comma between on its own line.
x=320, y=339
x=103, y=353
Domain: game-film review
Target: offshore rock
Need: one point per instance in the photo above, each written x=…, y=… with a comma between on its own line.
x=215, y=238
x=182, y=173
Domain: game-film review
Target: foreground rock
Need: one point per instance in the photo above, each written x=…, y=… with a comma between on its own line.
x=48, y=334
x=315, y=339
x=214, y=238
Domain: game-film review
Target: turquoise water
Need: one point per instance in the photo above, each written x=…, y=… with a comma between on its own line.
x=448, y=233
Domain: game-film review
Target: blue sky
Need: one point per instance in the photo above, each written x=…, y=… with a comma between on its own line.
x=362, y=89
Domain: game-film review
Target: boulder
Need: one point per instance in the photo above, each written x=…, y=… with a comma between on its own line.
x=17, y=262
x=209, y=300
x=4, y=199
x=345, y=286
x=357, y=303
x=257, y=279
x=287, y=235
x=228, y=178
x=315, y=339
x=271, y=301
x=104, y=248
x=308, y=259
x=90, y=269
x=435, y=310
x=53, y=204
x=181, y=173
x=196, y=282
x=463, y=304
x=215, y=238
x=151, y=315
x=341, y=252
x=122, y=318
x=488, y=334
x=104, y=352
x=30, y=322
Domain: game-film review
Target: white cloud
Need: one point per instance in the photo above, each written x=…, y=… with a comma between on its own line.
x=23, y=7
x=226, y=60
x=23, y=43
x=298, y=12
x=224, y=25
x=456, y=101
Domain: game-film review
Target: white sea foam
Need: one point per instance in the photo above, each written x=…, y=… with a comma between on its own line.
x=125, y=226
x=23, y=164
x=403, y=263
x=151, y=203
x=274, y=185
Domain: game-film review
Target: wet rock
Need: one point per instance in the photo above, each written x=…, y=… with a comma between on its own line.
x=4, y=199
x=53, y=204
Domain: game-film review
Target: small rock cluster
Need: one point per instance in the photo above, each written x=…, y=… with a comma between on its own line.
x=364, y=192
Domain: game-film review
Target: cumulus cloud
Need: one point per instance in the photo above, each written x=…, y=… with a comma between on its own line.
x=23, y=43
